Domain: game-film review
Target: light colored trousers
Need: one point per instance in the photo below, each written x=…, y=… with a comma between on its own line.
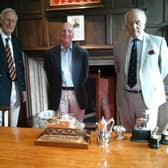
x=133, y=107
x=14, y=105
x=69, y=104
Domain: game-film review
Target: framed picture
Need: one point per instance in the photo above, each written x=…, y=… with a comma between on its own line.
x=73, y=4
x=78, y=24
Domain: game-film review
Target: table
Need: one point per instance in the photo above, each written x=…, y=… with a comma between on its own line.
x=17, y=150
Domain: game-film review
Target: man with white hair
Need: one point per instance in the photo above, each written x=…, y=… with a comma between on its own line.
x=141, y=66
x=12, y=82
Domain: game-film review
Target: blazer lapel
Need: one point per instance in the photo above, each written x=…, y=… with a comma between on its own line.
x=75, y=65
x=146, y=42
x=15, y=46
x=125, y=50
x=58, y=57
x=3, y=57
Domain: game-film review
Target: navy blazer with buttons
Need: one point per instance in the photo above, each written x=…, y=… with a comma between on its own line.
x=52, y=66
x=5, y=81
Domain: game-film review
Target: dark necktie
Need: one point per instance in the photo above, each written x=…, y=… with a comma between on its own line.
x=132, y=69
x=11, y=68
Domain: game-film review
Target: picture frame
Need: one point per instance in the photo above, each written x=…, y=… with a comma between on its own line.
x=78, y=24
x=72, y=4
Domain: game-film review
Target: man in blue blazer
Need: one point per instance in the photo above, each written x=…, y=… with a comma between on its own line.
x=144, y=98
x=12, y=91
x=66, y=67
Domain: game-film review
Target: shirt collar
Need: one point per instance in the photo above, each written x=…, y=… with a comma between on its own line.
x=139, y=37
x=4, y=36
x=62, y=47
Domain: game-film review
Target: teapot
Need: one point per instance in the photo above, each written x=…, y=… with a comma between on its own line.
x=104, y=131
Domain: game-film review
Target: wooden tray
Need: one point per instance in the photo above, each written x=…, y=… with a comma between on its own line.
x=64, y=137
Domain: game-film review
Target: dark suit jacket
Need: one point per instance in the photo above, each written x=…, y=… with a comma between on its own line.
x=52, y=66
x=5, y=82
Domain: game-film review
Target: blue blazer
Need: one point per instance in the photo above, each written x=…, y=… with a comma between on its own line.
x=52, y=66
x=5, y=81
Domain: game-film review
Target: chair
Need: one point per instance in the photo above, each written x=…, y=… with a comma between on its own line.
x=101, y=95
x=94, y=79
x=4, y=109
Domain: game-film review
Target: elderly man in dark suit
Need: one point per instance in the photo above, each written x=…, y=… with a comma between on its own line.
x=66, y=67
x=12, y=82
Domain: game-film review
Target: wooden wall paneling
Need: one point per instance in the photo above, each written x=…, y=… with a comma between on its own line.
x=154, y=16
x=53, y=32
x=5, y=4
x=166, y=21
x=154, y=30
x=109, y=29
x=95, y=30
x=118, y=27
x=123, y=4
x=31, y=6
x=33, y=33
x=166, y=10
x=140, y=3
x=31, y=9
x=108, y=4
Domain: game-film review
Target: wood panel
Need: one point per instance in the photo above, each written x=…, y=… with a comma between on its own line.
x=33, y=33
x=118, y=27
x=166, y=11
x=155, y=31
x=154, y=17
x=123, y=4
x=95, y=30
x=31, y=6
x=5, y=4
x=53, y=32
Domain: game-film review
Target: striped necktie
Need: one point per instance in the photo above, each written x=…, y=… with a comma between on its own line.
x=132, y=70
x=11, y=68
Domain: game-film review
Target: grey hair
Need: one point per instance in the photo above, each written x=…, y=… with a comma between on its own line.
x=136, y=10
x=7, y=10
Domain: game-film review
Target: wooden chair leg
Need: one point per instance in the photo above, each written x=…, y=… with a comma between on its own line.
x=4, y=109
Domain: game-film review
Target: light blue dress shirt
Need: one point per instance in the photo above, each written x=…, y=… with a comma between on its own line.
x=66, y=66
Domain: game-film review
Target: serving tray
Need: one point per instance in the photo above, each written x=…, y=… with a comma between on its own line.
x=64, y=137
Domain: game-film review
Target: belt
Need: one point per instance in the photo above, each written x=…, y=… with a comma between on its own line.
x=133, y=91
x=67, y=88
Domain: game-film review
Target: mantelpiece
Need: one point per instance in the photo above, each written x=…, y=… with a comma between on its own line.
x=99, y=54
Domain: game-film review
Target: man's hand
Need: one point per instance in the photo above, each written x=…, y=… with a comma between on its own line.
x=24, y=96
